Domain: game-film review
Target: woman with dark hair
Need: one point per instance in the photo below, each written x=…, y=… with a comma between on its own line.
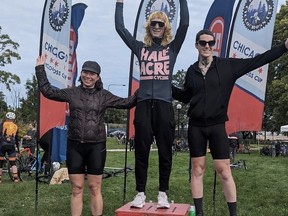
x=154, y=114
x=86, y=144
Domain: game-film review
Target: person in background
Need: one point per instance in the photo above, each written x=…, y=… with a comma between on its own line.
x=45, y=142
x=208, y=86
x=9, y=139
x=29, y=139
x=154, y=114
x=86, y=144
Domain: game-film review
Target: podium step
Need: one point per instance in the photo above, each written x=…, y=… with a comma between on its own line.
x=150, y=209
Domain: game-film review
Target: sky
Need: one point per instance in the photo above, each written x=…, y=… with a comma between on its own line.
x=98, y=39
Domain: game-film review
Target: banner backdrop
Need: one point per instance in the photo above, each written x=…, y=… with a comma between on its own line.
x=54, y=44
x=59, y=141
x=251, y=34
x=171, y=8
x=218, y=21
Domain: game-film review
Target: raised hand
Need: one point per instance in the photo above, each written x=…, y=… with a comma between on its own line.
x=41, y=60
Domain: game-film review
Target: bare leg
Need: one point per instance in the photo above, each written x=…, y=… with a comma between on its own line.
x=223, y=170
x=96, y=201
x=77, y=183
x=15, y=173
x=1, y=175
x=197, y=174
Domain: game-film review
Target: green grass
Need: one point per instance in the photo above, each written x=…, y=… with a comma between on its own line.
x=262, y=189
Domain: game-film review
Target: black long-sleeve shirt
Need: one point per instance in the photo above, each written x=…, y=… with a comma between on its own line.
x=156, y=62
x=209, y=95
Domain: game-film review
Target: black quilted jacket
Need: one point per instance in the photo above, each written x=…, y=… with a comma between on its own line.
x=87, y=107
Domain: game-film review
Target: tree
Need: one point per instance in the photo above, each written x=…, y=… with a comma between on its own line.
x=178, y=81
x=277, y=81
x=278, y=68
x=28, y=107
x=3, y=105
x=277, y=108
x=7, y=52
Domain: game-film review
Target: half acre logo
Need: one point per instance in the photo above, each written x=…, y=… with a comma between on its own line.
x=58, y=14
x=166, y=6
x=257, y=14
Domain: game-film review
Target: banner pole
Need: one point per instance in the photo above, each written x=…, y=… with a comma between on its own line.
x=38, y=115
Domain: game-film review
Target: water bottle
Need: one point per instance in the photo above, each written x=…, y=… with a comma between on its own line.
x=192, y=211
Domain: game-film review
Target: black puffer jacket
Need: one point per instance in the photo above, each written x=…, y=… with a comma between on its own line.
x=87, y=107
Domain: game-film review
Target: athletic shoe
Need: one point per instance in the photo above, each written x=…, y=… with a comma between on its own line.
x=139, y=200
x=163, y=200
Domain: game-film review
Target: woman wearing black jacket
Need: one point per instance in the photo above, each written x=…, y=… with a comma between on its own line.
x=208, y=86
x=86, y=145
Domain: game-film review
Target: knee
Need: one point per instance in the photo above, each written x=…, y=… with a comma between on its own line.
x=224, y=174
x=95, y=189
x=77, y=189
x=198, y=171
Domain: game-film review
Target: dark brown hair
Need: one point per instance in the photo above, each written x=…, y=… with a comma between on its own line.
x=202, y=32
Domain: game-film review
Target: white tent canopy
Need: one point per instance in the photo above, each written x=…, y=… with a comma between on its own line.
x=284, y=128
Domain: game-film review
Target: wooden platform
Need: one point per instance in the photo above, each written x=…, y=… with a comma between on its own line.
x=150, y=209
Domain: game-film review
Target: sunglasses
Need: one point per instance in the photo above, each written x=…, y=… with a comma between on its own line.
x=154, y=23
x=203, y=43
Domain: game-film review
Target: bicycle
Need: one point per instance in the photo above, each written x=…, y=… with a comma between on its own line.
x=179, y=145
x=28, y=164
x=115, y=171
x=234, y=148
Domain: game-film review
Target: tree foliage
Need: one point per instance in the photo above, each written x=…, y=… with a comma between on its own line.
x=276, y=106
x=117, y=116
x=3, y=105
x=8, y=50
x=180, y=114
x=28, y=109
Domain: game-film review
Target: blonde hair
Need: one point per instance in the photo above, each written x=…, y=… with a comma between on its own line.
x=167, y=35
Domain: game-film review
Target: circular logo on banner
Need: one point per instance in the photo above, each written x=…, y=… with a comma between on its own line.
x=257, y=13
x=58, y=14
x=166, y=6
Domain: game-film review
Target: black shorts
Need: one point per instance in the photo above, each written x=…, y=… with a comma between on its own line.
x=215, y=136
x=9, y=149
x=86, y=157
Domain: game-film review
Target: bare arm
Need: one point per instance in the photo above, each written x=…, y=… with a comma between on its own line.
x=286, y=42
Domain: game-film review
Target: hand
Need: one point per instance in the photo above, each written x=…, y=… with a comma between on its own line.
x=41, y=60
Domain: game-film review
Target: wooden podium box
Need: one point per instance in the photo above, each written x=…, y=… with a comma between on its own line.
x=150, y=209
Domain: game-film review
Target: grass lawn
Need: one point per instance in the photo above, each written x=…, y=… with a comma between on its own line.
x=262, y=188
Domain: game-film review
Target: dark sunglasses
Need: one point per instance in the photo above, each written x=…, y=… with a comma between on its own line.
x=160, y=24
x=203, y=43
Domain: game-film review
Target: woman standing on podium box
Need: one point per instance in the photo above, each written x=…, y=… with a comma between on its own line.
x=154, y=115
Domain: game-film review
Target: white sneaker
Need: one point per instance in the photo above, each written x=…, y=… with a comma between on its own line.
x=139, y=200
x=163, y=200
